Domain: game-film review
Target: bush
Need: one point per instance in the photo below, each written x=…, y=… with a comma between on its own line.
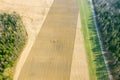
x=12, y=40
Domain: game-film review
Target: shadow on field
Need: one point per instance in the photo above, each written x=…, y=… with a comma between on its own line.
x=98, y=58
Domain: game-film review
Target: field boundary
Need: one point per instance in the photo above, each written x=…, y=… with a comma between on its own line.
x=97, y=68
x=26, y=50
x=79, y=67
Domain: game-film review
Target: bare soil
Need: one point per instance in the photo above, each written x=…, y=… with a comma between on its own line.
x=33, y=14
x=79, y=68
x=55, y=47
x=51, y=55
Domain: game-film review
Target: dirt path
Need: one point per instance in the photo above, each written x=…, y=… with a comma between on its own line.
x=51, y=55
x=79, y=68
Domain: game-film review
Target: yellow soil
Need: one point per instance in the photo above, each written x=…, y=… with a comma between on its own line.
x=79, y=68
x=33, y=13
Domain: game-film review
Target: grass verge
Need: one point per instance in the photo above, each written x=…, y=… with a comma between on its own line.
x=97, y=69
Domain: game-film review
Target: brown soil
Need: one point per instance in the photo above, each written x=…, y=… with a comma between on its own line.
x=33, y=14
x=58, y=52
x=51, y=55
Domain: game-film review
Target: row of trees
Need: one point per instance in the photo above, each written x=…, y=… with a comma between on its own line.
x=108, y=17
x=12, y=40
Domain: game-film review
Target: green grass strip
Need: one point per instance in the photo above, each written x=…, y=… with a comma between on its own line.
x=97, y=69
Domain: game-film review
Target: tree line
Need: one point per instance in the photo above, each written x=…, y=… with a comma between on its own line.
x=108, y=18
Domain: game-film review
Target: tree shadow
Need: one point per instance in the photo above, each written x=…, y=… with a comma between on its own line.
x=101, y=71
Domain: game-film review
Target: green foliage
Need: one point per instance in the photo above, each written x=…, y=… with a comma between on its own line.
x=108, y=17
x=97, y=68
x=12, y=40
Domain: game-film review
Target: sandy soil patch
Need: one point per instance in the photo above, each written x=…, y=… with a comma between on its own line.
x=33, y=13
x=79, y=68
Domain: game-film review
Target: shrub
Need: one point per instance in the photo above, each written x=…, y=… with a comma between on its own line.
x=12, y=40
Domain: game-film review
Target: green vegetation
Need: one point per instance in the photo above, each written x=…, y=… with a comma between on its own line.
x=108, y=17
x=12, y=40
x=97, y=67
